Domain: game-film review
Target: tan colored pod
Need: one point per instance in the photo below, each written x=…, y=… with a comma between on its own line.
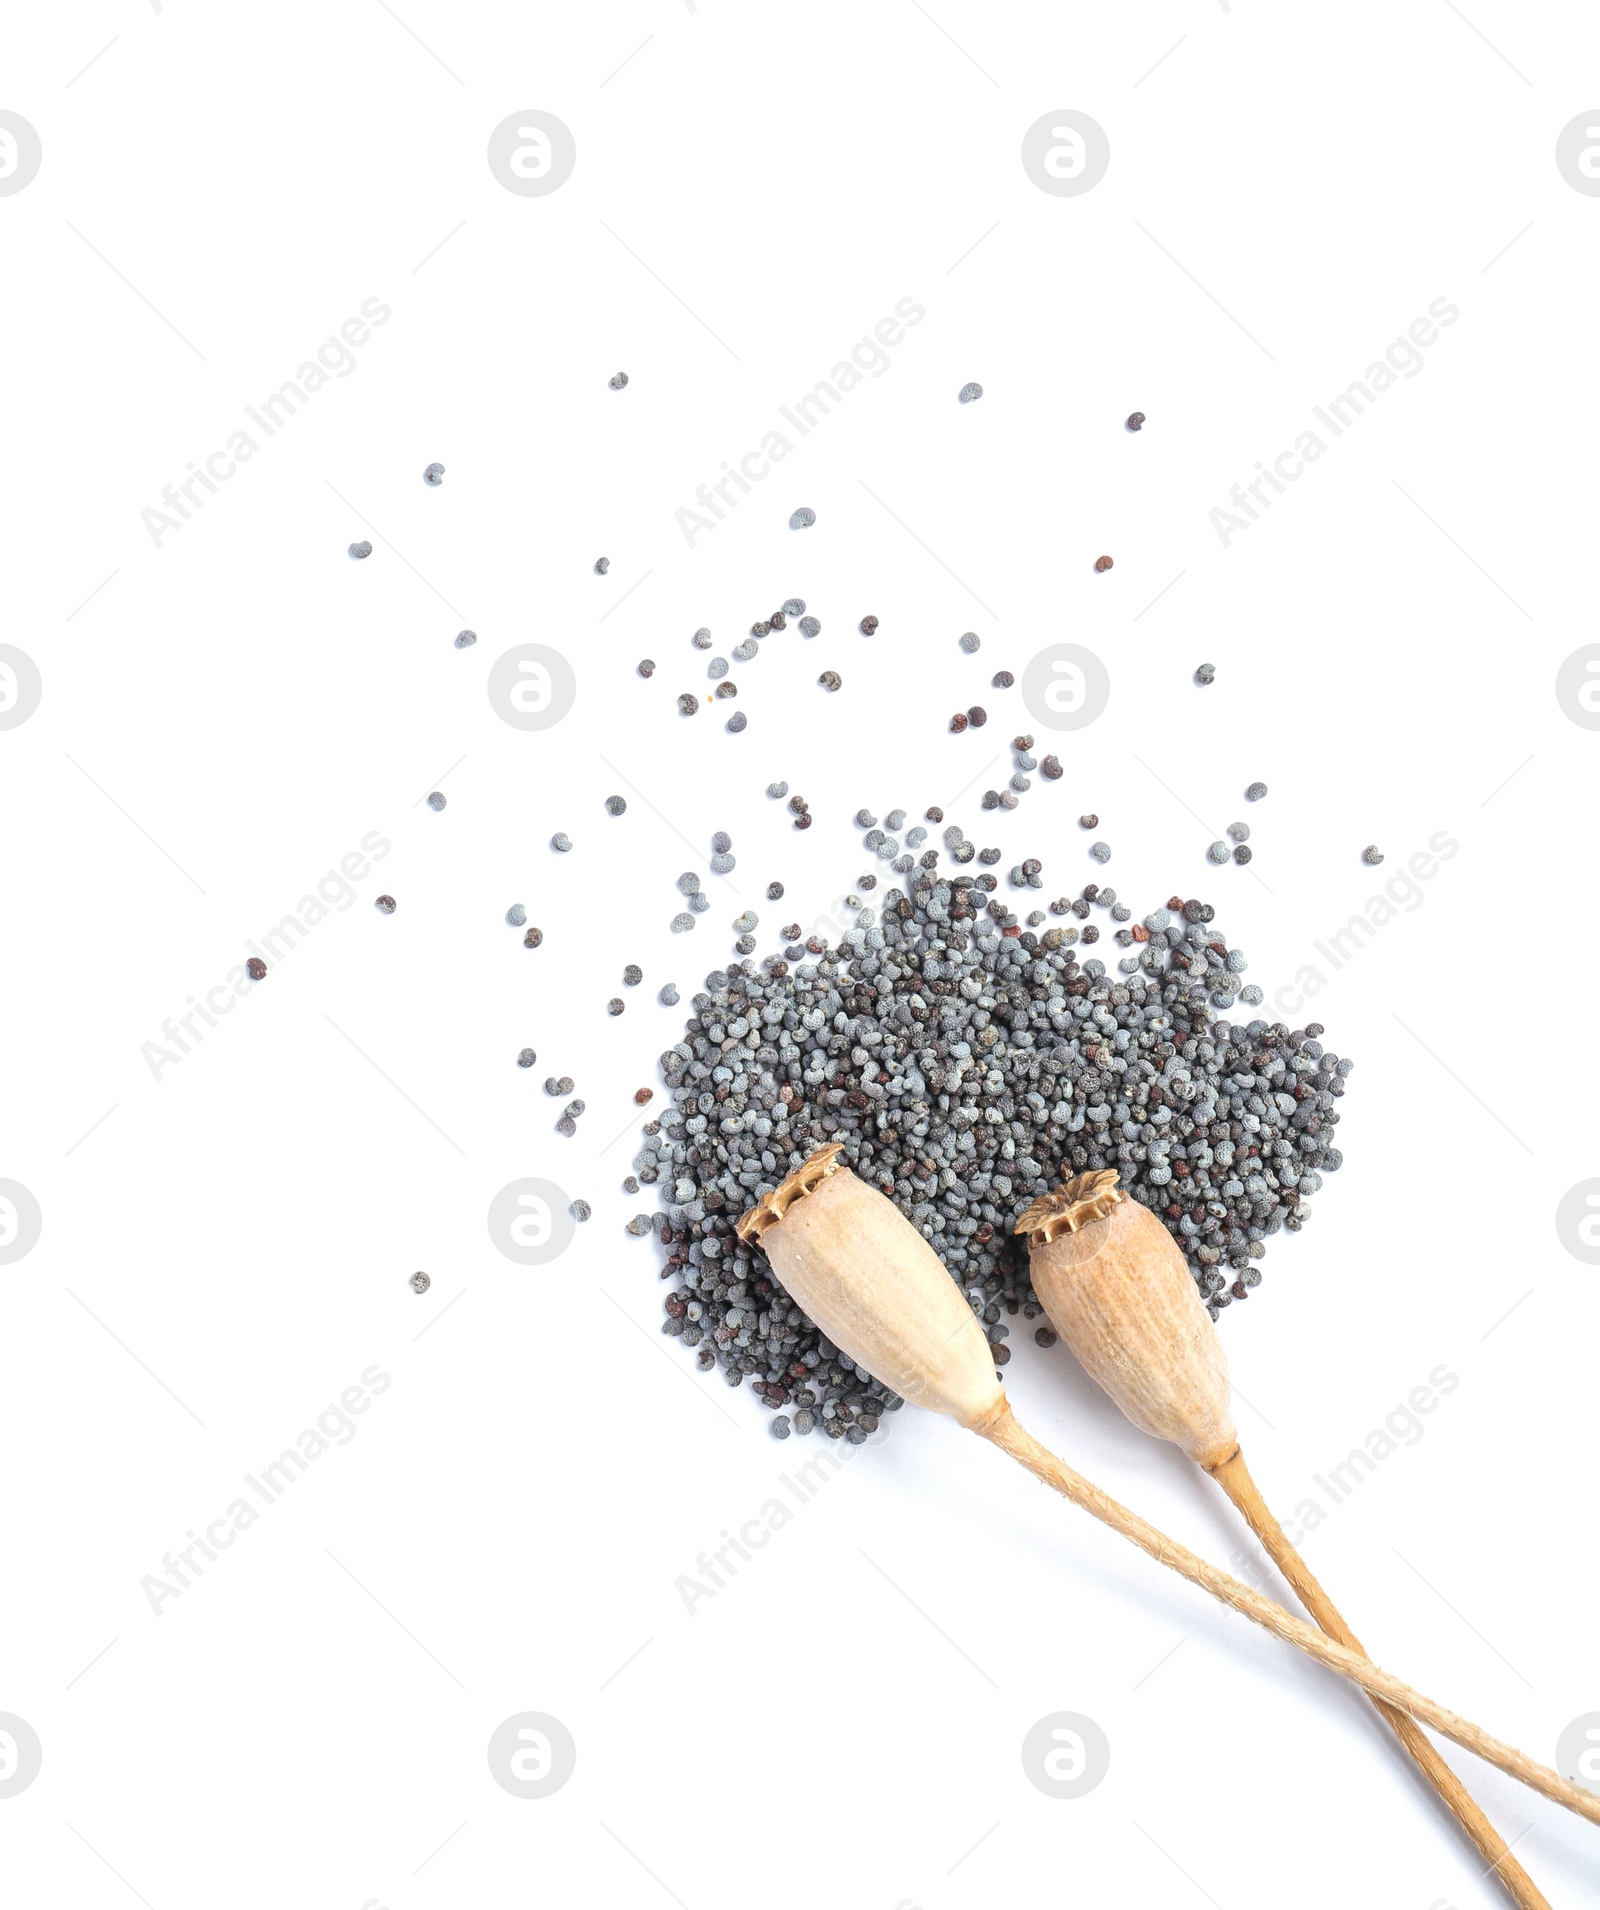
x=1119, y=1292
x=856, y=1266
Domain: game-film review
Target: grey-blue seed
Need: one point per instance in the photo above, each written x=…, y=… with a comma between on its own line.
x=668, y=996
x=744, y=923
x=601, y=566
x=717, y=668
x=688, y=882
x=516, y=915
x=561, y=842
x=1100, y=851
x=1255, y=792
x=1219, y=852
x=805, y=1420
x=700, y=902
x=1205, y=674
x=639, y=1226
x=794, y=606
x=896, y=819
x=420, y=1283
x=465, y=639
x=363, y=549
x=780, y=1426
x=681, y=923
x=566, y=1125
x=721, y=862
x=971, y=642
x=968, y=392
x=809, y=626
x=1240, y=831
x=434, y=474
x=1372, y=855
x=736, y=722
x=777, y=790
x=721, y=843
x=687, y=704
x=580, y=1210
x=615, y=805
x=574, y=1108
x=864, y=819
x=802, y=519
x=527, y=1058
x=702, y=638
x=618, y=381
x=632, y=975
x=436, y=801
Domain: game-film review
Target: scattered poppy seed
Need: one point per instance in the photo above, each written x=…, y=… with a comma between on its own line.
x=516, y=915
x=618, y=381
x=1205, y=674
x=580, y=1210
x=647, y=666
x=435, y=801
x=639, y=1226
x=794, y=606
x=722, y=862
x=746, y=651
x=385, y=905
x=363, y=549
x=465, y=639
x=809, y=626
x=1372, y=854
x=802, y=519
x=778, y=621
x=868, y=625
x=558, y=1085
x=1239, y=831
x=736, y=722
x=971, y=641
x=724, y=690
x=434, y=474
x=527, y=1058
x=699, y=903
x=643, y=1095
x=420, y=1282
x=701, y=638
x=616, y=805
x=761, y=629
x=561, y=842
x=1255, y=792
x=721, y=843
x=687, y=704
x=566, y=1125
x=1135, y=423
x=615, y=1006
x=774, y=891
x=933, y=815
x=1002, y=680
x=802, y=822
x=601, y=566
x=533, y=938
x=1102, y=563
x=632, y=975
x=1100, y=851
x=668, y=996
x=968, y=392
x=1051, y=769
x=830, y=680
x=977, y=716
x=256, y=968
x=1242, y=853
x=1219, y=852
x=777, y=790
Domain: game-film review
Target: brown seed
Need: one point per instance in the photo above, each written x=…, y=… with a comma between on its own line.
x=533, y=938
x=868, y=625
x=615, y=1006
x=385, y=905
x=977, y=716
x=933, y=815
x=1023, y=743
x=1089, y=822
x=957, y=723
x=1102, y=563
x=643, y=1095
x=256, y=968
x=802, y=822
x=761, y=629
x=778, y=620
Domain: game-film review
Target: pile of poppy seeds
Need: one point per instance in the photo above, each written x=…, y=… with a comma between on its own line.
x=967, y=1064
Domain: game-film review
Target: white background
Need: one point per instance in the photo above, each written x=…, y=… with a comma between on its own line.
x=231, y=712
